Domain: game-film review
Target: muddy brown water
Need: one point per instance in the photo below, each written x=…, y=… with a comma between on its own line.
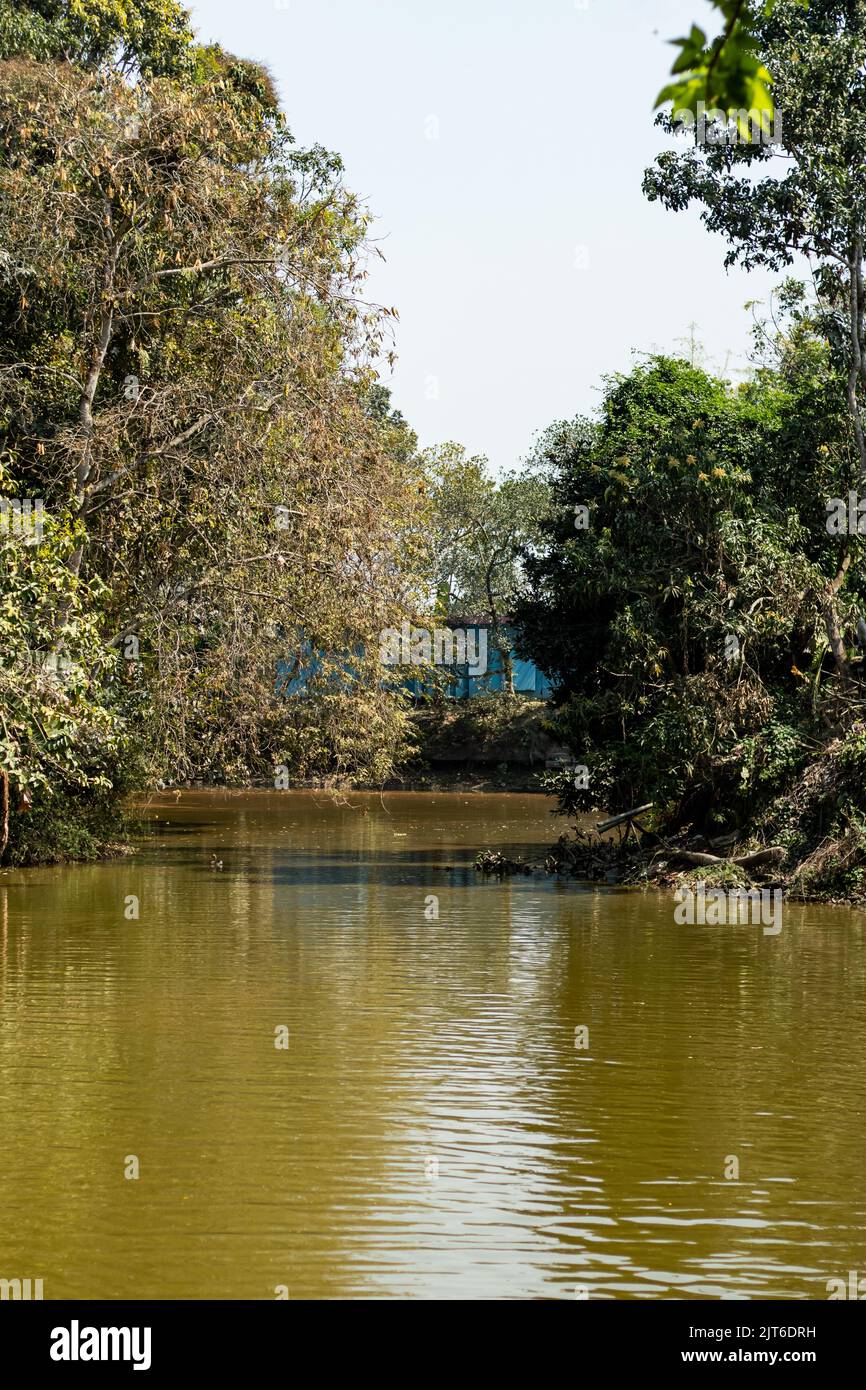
x=431, y=1129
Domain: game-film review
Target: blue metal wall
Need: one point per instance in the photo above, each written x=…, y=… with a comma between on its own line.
x=528, y=679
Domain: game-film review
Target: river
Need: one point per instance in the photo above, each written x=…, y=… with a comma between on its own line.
x=328, y=1090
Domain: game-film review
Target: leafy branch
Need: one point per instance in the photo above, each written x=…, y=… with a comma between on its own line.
x=727, y=73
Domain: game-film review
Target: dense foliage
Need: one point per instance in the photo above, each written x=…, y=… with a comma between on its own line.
x=681, y=613
x=478, y=529
x=801, y=196
x=187, y=385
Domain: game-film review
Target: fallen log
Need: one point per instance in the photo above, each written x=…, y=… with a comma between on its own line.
x=760, y=856
x=742, y=861
x=689, y=856
x=603, y=825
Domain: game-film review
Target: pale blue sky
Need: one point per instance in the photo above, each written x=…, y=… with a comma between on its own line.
x=500, y=145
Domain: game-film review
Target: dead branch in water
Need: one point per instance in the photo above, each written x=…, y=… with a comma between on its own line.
x=742, y=861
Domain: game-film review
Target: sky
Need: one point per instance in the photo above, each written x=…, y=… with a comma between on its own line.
x=500, y=145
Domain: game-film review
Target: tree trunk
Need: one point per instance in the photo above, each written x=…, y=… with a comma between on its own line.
x=856, y=379
x=502, y=646
x=4, y=811
x=95, y=364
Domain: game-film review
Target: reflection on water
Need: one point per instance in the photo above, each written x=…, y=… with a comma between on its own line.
x=414, y=1039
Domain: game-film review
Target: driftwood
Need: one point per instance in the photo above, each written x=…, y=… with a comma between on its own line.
x=688, y=856
x=601, y=826
x=492, y=862
x=761, y=856
x=742, y=861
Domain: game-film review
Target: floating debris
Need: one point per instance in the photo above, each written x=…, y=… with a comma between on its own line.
x=491, y=862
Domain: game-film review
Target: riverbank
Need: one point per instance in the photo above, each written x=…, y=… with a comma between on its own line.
x=805, y=815
x=812, y=832
x=489, y=743
x=674, y=864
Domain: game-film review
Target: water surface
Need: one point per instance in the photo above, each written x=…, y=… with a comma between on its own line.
x=431, y=1129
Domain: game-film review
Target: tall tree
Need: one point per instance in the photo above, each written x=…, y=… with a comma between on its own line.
x=481, y=528
x=676, y=603
x=149, y=37
x=186, y=369
x=725, y=73
x=803, y=196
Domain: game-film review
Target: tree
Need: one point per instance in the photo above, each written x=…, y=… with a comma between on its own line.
x=728, y=73
x=680, y=619
x=481, y=528
x=64, y=755
x=187, y=379
x=149, y=37
x=811, y=203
